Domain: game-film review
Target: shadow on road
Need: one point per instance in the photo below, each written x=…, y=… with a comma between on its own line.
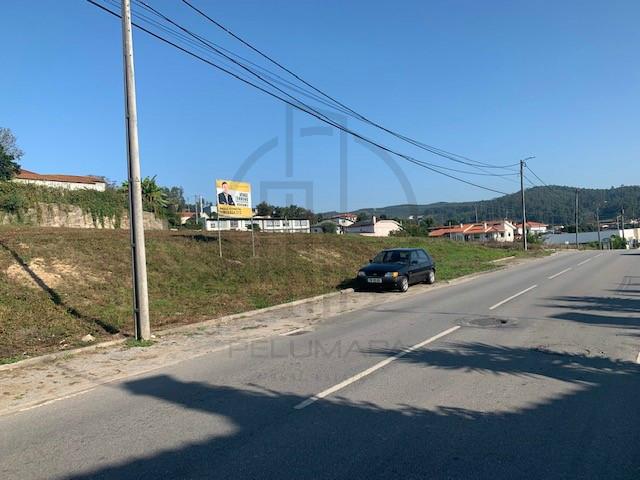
x=591, y=431
x=598, y=311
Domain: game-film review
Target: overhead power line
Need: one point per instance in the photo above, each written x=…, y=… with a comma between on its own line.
x=430, y=148
x=303, y=107
x=216, y=49
x=208, y=45
x=544, y=184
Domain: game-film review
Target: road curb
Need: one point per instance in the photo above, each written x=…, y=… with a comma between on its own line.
x=252, y=313
x=52, y=357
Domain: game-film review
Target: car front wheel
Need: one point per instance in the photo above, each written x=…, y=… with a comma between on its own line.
x=431, y=277
x=404, y=284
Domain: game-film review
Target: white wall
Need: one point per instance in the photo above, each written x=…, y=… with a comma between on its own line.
x=100, y=186
x=265, y=224
x=382, y=228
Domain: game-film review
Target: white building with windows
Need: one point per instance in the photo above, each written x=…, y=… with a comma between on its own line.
x=535, y=228
x=273, y=225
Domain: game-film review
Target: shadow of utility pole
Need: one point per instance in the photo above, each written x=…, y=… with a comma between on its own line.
x=54, y=296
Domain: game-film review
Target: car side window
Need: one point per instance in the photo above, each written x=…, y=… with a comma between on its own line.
x=415, y=257
x=423, y=257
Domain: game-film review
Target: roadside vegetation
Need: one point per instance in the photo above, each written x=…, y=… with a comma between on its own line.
x=58, y=285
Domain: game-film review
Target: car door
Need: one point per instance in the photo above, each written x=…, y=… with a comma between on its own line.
x=425, y=264
x=415, y=268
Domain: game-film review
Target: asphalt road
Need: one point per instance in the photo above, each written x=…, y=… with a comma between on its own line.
x=460, y=382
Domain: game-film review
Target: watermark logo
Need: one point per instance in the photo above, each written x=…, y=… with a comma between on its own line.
x=288, y=184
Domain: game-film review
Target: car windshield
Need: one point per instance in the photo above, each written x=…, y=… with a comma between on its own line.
x=392, y=256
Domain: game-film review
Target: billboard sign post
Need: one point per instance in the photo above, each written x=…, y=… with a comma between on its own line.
x=233, y=200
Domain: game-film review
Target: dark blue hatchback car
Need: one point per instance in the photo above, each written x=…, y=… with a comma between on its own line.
x=397, y=268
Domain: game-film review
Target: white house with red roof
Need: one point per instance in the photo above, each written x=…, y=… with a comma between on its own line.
x=536, y=228
x=70, y=182
x=495, y=231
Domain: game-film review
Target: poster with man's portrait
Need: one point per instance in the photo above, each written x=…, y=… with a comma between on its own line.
x=233, y=199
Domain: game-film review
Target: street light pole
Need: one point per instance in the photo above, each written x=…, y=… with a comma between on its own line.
x=524, y=211
x=598, y=222
x=577, y=244
x=138, y=254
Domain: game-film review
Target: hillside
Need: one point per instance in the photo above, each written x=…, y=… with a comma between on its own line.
x=57, y=285
x=554, y=205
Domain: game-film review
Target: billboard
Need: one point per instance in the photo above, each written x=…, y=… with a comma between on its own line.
x=233, y=199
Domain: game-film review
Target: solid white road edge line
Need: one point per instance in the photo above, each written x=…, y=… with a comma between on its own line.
x=559, y=273
x=512, y=297
x=585, y=261
x=370, y=370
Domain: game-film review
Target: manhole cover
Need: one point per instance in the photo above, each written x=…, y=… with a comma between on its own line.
x=487, y=322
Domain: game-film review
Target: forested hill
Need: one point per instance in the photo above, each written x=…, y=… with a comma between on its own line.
x=553, y=204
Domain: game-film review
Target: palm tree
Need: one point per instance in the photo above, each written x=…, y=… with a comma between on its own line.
x=153, y=197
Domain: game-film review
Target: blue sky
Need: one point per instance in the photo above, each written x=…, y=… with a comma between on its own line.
x=493, y=80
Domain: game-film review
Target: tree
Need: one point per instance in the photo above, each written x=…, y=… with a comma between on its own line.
x=328, y=227
x=427, y=222
x=618, y=243
x=153, y=197
x=9, y=155
x=175, y=197
x=264, y=209
x=175, y=204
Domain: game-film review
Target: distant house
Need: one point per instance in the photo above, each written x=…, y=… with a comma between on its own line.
x=536, y=228
x=495, y=231
x=265, y=224
x=185, y=216
x=343, y=219
x=374, y=227
x=70, y=182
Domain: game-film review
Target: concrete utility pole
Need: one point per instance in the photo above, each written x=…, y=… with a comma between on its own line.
x=577, y=244
x=598, y=222
x=139, y=259
x=524, y=212
x=622, y=222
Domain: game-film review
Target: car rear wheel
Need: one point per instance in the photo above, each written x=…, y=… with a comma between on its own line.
x=404, y=284
x=431, y=277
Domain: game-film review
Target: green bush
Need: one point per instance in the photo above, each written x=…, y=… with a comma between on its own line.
x=13, y=203
x=618, y=243
x=17, y=198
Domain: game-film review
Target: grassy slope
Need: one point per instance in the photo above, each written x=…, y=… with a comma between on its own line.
x=88, y=275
